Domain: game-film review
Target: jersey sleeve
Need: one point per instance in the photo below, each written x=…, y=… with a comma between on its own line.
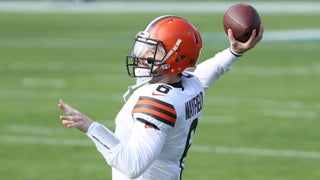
x=162, y=113
x=153, y=120
x=211, y=69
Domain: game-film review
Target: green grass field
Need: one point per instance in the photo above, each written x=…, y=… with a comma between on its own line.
x=260, y=121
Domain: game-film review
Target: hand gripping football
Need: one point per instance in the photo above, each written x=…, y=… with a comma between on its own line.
x=241, y=19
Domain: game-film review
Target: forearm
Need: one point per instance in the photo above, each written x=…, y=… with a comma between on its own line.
x=131, y=158
x=103, y=137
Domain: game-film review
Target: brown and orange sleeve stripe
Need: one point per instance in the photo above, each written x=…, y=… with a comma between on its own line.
x=156, y=108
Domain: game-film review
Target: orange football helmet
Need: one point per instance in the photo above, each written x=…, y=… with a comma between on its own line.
x=176, y=40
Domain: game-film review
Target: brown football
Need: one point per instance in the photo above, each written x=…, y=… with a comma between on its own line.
x=241, y=19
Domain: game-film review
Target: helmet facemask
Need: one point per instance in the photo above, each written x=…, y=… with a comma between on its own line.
x=145, y=57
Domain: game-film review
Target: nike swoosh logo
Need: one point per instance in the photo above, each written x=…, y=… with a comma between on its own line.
x=157, y=94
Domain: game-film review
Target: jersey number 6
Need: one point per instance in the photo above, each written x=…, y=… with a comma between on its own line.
x=192, y=130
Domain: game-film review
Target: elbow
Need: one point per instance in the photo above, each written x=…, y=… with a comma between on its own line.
x=132, y=173
x=129, y=169
x=224, y=69
x=131, y=161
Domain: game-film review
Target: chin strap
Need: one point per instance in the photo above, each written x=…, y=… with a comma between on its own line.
x=140, y=82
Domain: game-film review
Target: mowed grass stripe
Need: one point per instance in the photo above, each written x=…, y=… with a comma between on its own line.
x=54, y=95
x=118, y=41
x=62, y=43
x=51, y=141
x=267, y=107
x=223, y=101
x=119, y=69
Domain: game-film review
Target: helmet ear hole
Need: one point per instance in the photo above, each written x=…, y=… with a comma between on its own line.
x=180, y=58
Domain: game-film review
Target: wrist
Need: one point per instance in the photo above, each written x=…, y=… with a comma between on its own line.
x=102, y=136
x=234, y=53
x=92, y=126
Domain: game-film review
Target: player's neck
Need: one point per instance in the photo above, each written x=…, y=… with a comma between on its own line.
x=166, y=79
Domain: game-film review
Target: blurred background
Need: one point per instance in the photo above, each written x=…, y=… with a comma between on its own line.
x=260, y=121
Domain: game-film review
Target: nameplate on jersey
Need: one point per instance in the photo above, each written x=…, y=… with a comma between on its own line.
x=194, y=106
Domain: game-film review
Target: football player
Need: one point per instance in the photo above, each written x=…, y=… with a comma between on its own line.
x=156, y=126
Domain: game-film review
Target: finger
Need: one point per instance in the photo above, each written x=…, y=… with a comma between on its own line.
x=62, y=105
x=260, y=34
x=257, y=37
x=72, y=121
x=230, y=35
x=253, y=36
x=75, y=118
x=69, y=121
x=69, y=124
x=66, y=108
x=72, y=118
x=68, y=118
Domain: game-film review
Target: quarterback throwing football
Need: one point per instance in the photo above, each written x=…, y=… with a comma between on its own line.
x=156, y=125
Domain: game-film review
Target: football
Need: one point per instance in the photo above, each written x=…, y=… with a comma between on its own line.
x=241, y=19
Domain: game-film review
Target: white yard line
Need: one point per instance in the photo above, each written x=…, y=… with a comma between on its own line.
x=150, y=7
x=263, y=103
x=257, y=152
x=292, y=35
x=52, y=141
x=208, y=37
x=41, y=135
x=19, y=139
x=291, y=113
x=301, y=106
x=43, y=82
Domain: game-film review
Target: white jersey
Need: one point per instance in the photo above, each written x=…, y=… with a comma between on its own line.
x=155, y=128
